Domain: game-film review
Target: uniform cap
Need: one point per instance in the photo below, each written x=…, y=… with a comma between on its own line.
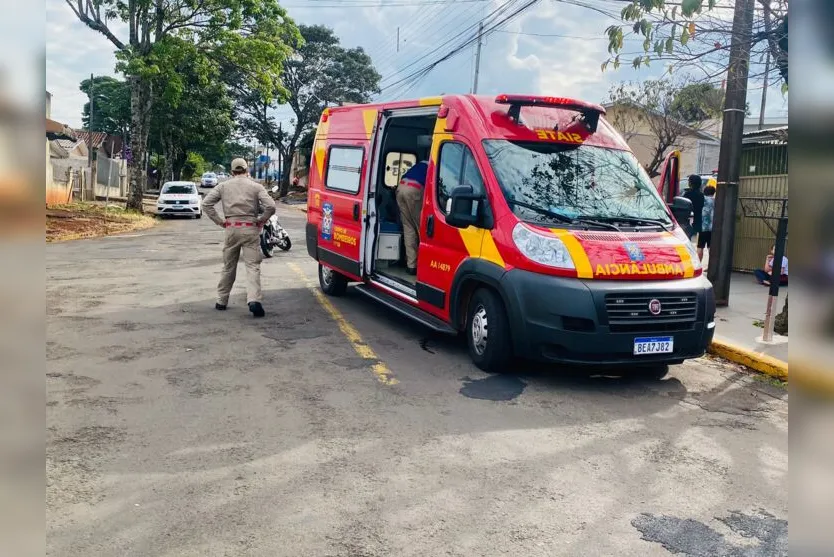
x=239, y=164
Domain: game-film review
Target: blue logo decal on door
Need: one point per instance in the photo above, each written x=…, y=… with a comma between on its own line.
x=327, y=221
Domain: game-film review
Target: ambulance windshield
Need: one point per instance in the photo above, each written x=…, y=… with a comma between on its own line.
x=574, y=182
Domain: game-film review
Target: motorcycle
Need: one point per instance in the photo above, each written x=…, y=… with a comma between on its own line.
x=273, y=234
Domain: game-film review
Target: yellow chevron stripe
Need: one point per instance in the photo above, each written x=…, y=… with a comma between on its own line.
x=577, y=253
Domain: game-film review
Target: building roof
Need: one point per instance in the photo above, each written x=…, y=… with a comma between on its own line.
x=771, y=136
x=57, y=130
x=109, y=144
x=98, y=137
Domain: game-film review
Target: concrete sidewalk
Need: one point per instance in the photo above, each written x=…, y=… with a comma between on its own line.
x=736, y=324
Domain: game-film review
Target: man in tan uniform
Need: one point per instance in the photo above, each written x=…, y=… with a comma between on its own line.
x=246, y=207
x=410, y=202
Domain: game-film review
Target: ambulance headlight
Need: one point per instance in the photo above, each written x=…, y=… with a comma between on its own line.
x=542, y=248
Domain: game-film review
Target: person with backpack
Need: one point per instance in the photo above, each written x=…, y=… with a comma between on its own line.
x=707, y=214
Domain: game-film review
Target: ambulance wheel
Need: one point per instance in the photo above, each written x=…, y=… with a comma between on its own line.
x=488, y=332
x=331, y=282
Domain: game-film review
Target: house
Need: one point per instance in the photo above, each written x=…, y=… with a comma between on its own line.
x=56, y=132
x=698, y=146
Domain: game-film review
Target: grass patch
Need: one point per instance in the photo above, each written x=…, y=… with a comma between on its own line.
x=772, y=381
x=75, y=221
x=758, y=323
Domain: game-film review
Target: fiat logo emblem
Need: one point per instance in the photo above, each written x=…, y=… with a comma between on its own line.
x=654, y=307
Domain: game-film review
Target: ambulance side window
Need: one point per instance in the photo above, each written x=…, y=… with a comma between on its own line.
x=344, y=169
x=457, y=167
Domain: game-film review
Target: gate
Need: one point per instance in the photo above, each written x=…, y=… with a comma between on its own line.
x=764, y=173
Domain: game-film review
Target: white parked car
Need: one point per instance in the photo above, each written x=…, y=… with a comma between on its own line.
x=209, y=180
x=179, y=198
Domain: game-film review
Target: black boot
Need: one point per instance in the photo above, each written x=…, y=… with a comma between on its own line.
x=220, y=307
x=257, y=309
x=411, y=271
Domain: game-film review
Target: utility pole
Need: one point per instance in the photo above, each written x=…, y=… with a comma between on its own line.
x=764, y=91
x=398, y=39
x=477, y=59
x=90, y=137
x=729, y=161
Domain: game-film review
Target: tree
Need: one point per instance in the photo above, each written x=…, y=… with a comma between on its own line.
x=254, y=35
x=111, y=100
x=319, y=74
x=668, y=111
x=698, y=102
x=693, y=35
x=192, y=114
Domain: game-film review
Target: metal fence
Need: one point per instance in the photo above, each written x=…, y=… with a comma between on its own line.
x=763, y=174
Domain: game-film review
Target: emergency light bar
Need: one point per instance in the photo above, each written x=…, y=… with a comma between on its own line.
x=590, y=111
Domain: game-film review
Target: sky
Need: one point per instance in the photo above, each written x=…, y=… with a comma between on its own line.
x=553, y=48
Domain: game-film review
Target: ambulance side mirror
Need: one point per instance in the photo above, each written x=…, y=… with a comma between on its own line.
x=466, y=207
x=682, y=209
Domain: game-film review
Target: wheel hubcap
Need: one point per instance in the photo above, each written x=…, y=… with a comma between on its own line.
x=326, y=276
x=479, y=330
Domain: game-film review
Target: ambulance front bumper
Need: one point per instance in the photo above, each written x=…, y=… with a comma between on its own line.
x=596, y=322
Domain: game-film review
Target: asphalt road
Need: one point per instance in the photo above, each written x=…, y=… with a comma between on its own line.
x=334, y=428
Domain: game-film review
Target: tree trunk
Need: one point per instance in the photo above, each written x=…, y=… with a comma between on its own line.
x=168, y=166
x=140, y=105
x=285, y=174
x=178, y=163
x=780, y=325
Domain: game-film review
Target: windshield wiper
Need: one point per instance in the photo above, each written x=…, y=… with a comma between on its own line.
x=633, y=220
x=540, y=210
x=591, y=222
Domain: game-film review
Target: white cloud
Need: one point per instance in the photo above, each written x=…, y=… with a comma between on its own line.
x=519, y=63
x=73, y=52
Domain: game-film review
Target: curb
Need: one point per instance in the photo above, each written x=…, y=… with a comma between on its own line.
x=759, y=362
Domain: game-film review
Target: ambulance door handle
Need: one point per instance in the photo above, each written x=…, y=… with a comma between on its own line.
x=430, y=226
x=356, y=211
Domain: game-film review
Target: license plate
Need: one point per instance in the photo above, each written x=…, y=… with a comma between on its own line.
x=654, y=345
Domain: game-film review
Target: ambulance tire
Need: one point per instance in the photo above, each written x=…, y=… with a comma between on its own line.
x=331, y=282
x=488, y=331
x=653, y=373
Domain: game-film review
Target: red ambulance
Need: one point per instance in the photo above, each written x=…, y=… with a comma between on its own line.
x=541, y=236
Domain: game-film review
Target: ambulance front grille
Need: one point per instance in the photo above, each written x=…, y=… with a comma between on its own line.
x=629, y=312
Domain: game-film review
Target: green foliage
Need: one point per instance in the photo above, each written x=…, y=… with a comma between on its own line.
x=320, y=73
x=698, y=102
x=111, y=100
x=192, y=111
x=688, y=33
x=253, y=36
x=194, y=166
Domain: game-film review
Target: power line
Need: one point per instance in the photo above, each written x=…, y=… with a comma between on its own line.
x=371, y=4
x=382, y=58
x=448, y=29
x=429, y=67
x=501, y=9
x=554, y=35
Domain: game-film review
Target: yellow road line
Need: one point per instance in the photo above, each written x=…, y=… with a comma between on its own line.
x=378, y=367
